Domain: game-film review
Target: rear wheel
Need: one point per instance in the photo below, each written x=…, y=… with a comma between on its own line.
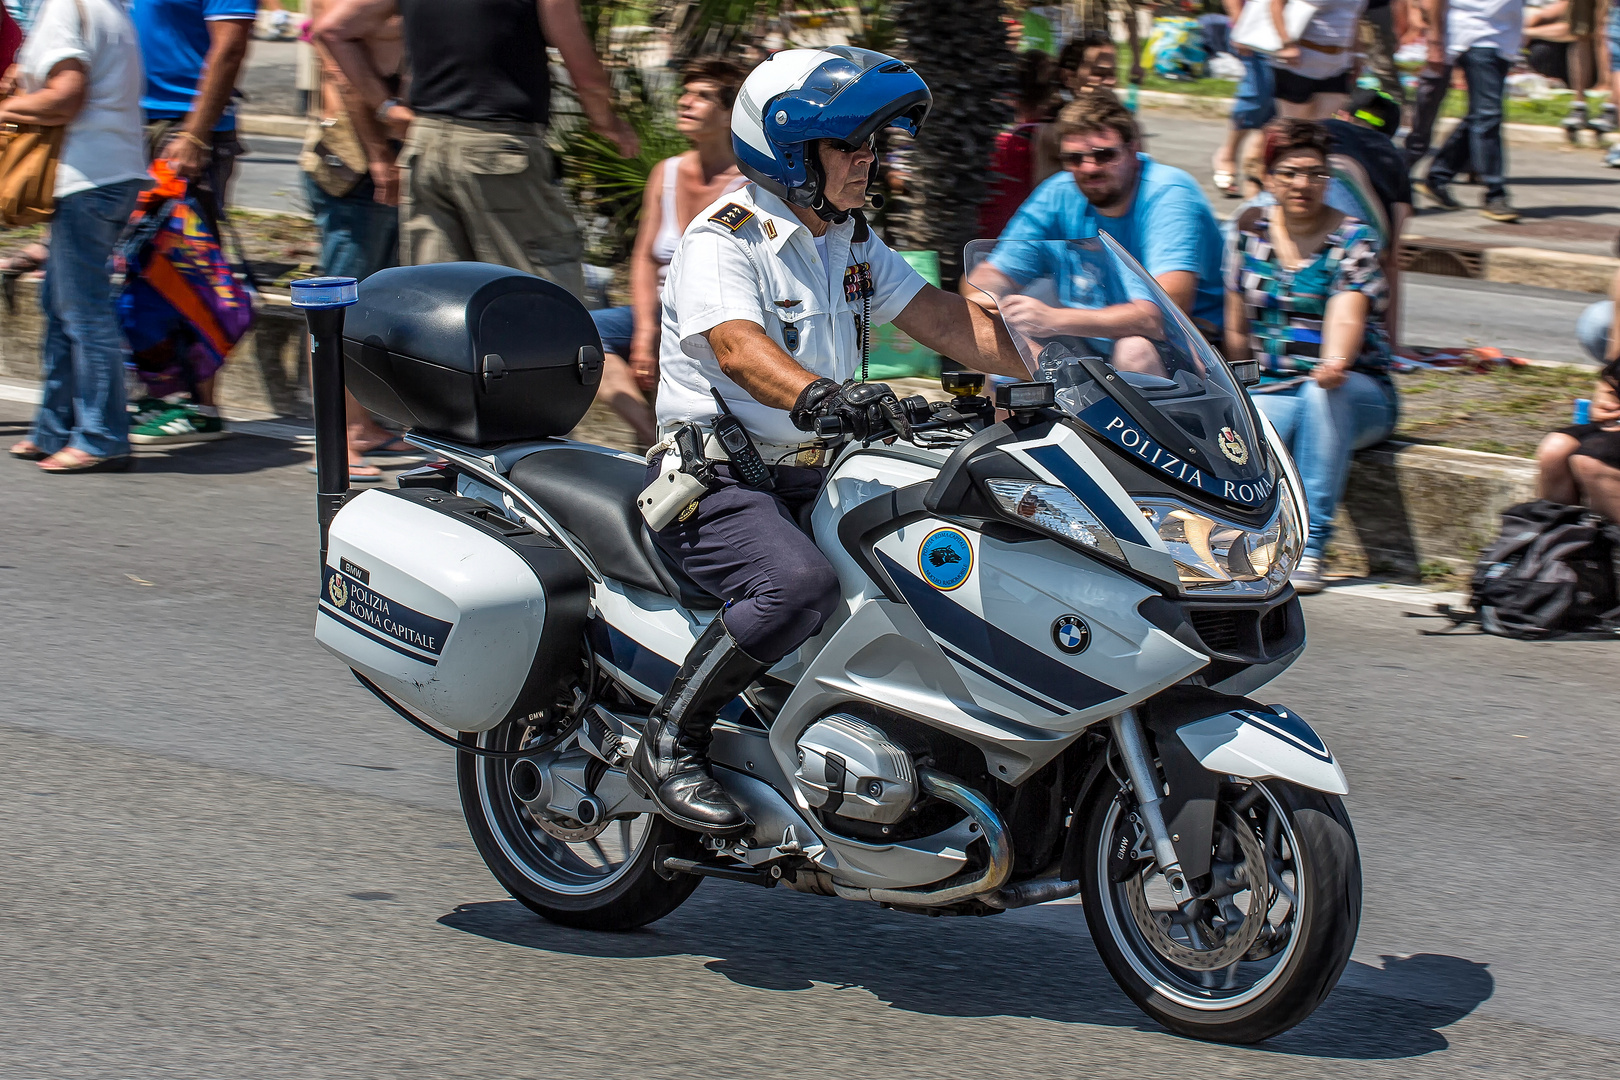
x=1271, y=933
x=597, y=878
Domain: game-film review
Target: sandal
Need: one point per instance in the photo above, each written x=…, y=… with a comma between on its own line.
x=26, y=261
x=70, y=460
x=375, y=476
x=27, y=451
x=1226, y=184
x=396, y=447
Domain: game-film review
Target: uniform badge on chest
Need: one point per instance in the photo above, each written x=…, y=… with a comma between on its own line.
x=858, y=281
x=790, y=336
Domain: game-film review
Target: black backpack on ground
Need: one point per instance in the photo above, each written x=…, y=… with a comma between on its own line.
x=1551, y=571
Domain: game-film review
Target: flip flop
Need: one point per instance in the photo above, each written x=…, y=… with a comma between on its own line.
x=27, y=451
x=396, y=447
x=357, y=477
x=80, y=462
x=1225, y=183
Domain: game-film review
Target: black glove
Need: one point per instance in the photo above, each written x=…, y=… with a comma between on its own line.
x=861, y=409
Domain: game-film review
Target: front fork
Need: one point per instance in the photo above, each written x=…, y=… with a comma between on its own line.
x=1149, y=788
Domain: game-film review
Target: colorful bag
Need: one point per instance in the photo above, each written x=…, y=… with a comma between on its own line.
x=1176, y=49
x=182, y=308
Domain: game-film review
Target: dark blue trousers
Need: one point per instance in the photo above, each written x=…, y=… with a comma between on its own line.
x=1477, y=141
x=746, y=547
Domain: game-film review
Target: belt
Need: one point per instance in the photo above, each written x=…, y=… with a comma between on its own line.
x=1331, y=50
x=806, y=454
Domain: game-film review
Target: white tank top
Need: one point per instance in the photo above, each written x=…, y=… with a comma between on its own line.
x=669, y=233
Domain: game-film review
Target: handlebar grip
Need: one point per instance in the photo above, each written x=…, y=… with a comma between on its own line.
x=829, y=427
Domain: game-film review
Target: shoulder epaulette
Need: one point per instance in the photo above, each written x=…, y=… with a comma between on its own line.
x=733, y=216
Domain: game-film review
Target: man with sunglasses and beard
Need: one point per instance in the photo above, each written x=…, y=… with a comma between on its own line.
x=1155, y=212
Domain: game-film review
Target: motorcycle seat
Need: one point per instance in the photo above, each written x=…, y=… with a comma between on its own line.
x=592, y=494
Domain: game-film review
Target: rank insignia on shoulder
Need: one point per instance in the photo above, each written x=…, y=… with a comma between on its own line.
x=733, y=216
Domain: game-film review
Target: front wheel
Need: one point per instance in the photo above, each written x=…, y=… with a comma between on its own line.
x=1269, y=935
x=595, y=878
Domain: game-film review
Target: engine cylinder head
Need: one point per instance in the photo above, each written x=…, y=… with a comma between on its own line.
x=850, y=768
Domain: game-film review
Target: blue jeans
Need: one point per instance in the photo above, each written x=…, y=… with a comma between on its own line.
x=1477, y=141
x=1255, y=103
x=616, y=326
x=1321, y=429
x=359, y=235
x=1592, y=329
x=83, y=351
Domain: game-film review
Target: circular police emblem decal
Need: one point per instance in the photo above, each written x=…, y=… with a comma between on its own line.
x=1233, y=446
x=945, y=559
x=1071, y=634
x=338, y=590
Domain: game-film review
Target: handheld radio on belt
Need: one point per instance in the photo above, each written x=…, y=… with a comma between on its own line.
x=745, y=459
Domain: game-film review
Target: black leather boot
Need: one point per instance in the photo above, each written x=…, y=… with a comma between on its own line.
x=672, y=762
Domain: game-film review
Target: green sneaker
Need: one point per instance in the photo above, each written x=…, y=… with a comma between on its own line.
x=147, y=409
x=179, y=423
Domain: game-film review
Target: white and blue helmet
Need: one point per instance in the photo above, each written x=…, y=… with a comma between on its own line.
x=800, y=95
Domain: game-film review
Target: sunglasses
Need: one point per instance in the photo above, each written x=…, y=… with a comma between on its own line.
x=1288, y=176
x=853, y=148
x=1106, y=156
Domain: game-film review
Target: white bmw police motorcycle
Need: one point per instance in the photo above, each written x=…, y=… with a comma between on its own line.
x=1034, y=690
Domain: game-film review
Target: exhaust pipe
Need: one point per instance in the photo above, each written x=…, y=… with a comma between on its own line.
x=527, y=781
x=322, y=301
x=963, y=886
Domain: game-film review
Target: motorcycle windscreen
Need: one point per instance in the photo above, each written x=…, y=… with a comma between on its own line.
x=1128, y=363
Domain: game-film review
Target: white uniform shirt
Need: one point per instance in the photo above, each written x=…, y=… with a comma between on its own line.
x=1493, y=24
x=103, y=143
x=807, y=305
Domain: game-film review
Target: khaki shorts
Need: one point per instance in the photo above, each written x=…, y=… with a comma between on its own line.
x=485, y=191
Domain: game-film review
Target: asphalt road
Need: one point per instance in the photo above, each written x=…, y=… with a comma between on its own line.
x=221, y=858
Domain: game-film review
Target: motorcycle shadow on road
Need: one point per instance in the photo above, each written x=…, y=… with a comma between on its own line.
x=1038, y=962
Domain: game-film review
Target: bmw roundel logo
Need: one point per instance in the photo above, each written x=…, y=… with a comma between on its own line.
x=1071, y=634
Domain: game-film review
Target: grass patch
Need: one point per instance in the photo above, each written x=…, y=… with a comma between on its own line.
x=1505, y=411
x=1190, y=87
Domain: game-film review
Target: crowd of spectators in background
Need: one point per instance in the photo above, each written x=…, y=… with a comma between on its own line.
x=450, y=162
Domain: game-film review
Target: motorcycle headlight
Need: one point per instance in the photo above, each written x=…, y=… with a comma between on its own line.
x=1212, y=555
x=1054, y=510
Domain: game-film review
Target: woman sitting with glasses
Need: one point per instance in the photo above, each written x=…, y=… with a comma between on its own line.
x=1305, y=297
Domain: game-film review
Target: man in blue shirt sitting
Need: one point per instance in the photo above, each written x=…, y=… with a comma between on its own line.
x=1155, y=212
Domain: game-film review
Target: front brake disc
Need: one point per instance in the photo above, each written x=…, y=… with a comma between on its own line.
x=1225, y=938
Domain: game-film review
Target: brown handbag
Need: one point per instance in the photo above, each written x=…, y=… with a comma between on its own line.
x=28, y=157
x=28, y=173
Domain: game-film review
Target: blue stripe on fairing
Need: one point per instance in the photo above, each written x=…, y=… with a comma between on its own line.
x=645, y=666
x=999, y=681
x=366, y=631
x=994, y=647
x=1056, y=460
x=1282, y=723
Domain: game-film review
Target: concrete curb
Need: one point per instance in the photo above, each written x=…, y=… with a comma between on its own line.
x=281, y=127
x=1410, y=508
x=1529, y=135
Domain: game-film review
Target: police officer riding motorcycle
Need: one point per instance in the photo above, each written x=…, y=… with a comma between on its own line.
x=887, y=651
x=769, y=307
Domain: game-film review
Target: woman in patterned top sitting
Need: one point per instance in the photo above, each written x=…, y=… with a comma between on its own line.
x=1305, y=297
